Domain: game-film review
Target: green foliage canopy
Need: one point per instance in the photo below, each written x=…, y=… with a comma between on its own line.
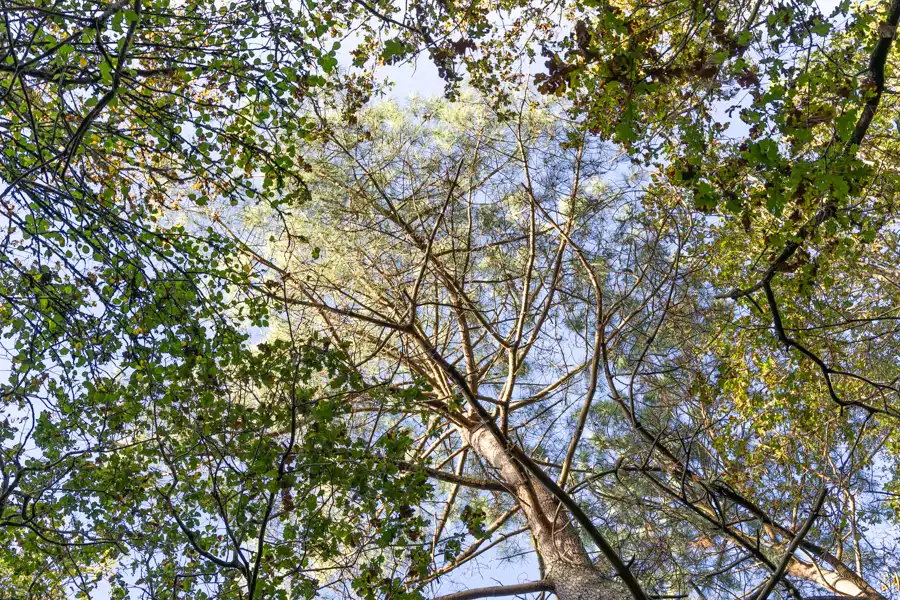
x=173, y=191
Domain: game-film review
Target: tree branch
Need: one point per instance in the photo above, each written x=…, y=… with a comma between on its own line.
x=500, y=590
x=795, y=543
x=470, y=482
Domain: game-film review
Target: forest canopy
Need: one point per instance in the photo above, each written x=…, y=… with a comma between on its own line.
x=613, y=314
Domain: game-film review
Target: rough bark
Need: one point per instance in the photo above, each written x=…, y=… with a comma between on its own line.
x=568, y=565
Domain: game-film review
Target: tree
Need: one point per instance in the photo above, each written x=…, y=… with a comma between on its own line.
x=123, y=315
x=552, y=318
x=809, y=167
x=150, y=442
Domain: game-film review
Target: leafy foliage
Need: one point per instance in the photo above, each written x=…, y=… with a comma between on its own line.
x=263, y=341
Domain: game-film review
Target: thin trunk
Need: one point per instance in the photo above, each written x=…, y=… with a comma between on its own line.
x=831, y=580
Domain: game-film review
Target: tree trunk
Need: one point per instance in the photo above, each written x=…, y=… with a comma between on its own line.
x=844, y=585
x=556, y=537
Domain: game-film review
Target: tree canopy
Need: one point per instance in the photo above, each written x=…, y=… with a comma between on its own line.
x=621, y=305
